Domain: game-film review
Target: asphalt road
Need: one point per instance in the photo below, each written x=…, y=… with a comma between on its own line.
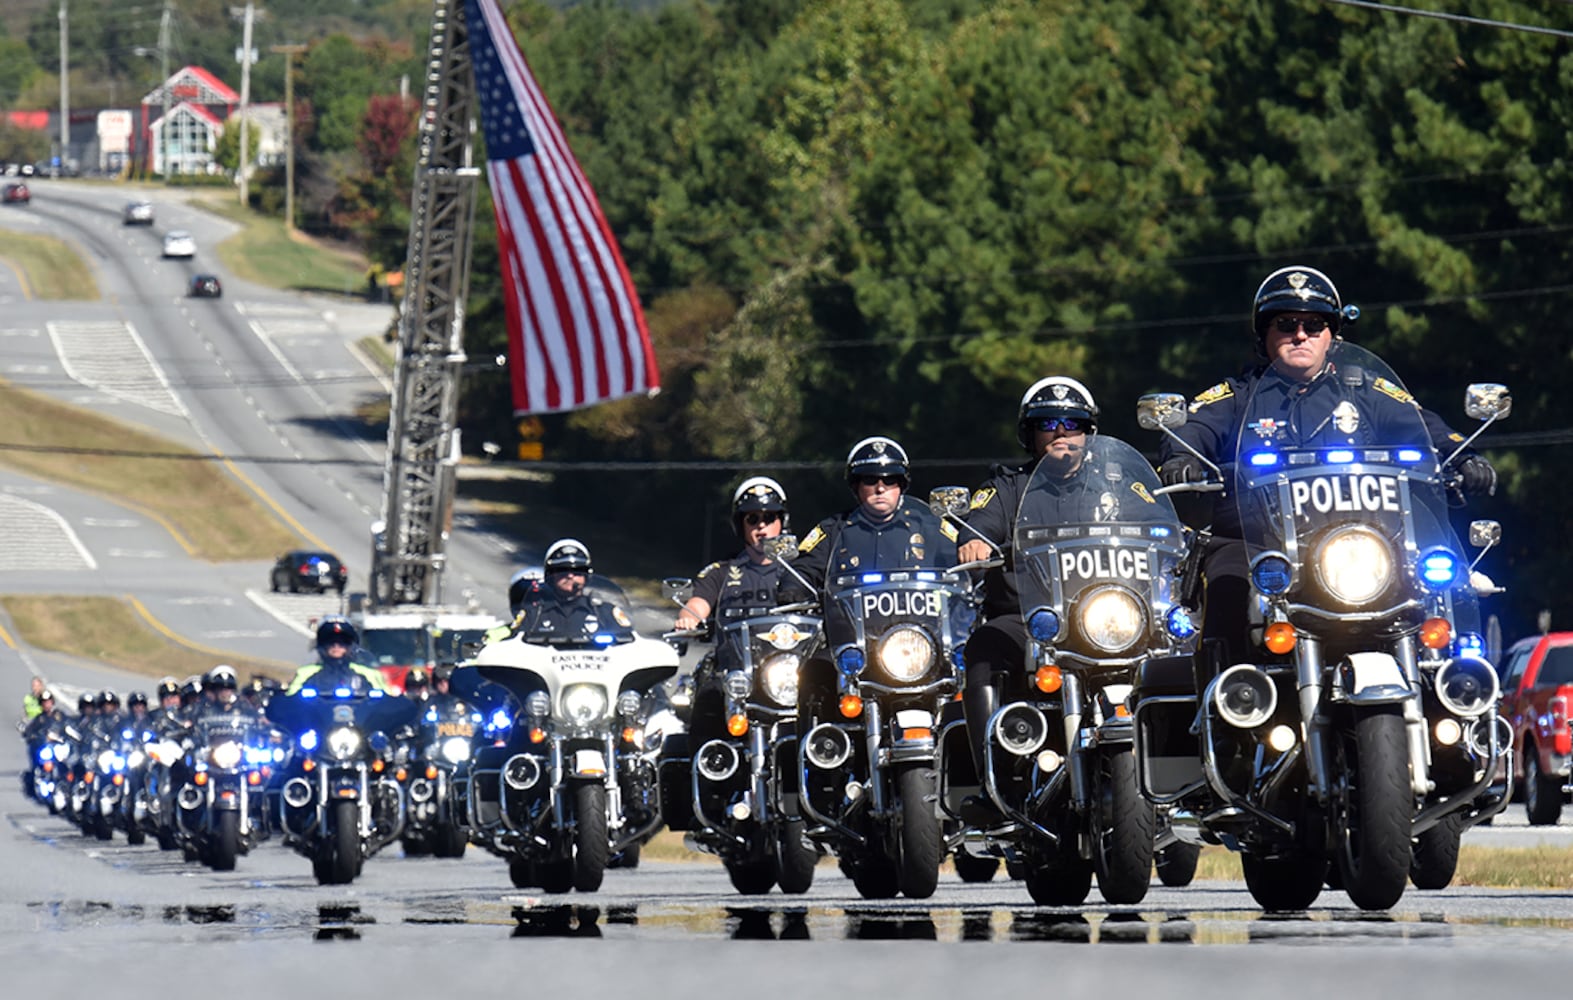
x=265, y=378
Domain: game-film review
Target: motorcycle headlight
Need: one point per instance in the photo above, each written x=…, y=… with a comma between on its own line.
x=1112, y=619
x=135, y=760
x=780, y=677
x=1355, y=565
x=456, y=749
x=225, y=755
x=110, y=761
x=343, y=742
x=737, y=684
x=905, y=653
x=539, y=704
x=629, y=703
x=584, y=703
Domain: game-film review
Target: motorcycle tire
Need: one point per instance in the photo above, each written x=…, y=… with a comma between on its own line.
x=166, y=839
x=796, y=858
x=102, y=829
x=1436, y=854
x=225, y=845
x=448, y=841
x=1283, y=884
x=521, y=872
x=1063, y=879
x=876, y=876
x=135, y=836
x=1126, y=825
x=341, y=858
x=1375, y=849
x=974, y=869
x=752, y=878
x=1542, y=795
x=922, y=843
x=1177, y=864
x=590, y=844
x=628, y=857
x=555, y=877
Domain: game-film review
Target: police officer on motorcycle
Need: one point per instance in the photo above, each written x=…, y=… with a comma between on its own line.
x=337, y=641
x=747, y=582
x=1054, y=423
x=560, y=604
x=226, y=704
x=1292, y=390
x=886, y=530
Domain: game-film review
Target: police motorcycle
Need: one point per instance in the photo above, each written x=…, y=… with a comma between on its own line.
x=227, y=765
x=45, y=778
x=102, y=777
x=436, y=750
x=1097, y=598
x=573, y=781
x=736, y=792
x=340, y=802
x=1367, y=736
x=867, y=716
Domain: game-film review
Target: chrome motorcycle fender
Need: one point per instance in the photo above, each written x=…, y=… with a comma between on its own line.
x=1372, y=679
x=587, y=764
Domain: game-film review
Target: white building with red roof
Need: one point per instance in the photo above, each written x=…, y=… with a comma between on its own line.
x=189, y=109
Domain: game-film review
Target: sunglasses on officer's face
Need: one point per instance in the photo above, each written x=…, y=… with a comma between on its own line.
x=1289, y=324
x=1070, y=425
x=761, y=517
x=877, y=480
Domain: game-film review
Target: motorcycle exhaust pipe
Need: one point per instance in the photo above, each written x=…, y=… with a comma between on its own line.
x=521, y=772
x=420, y=790
x=1244, y=696
x=1020, y=729
x=190, y=797
x=1467, y=686
x=827, y=747
x=717, y=760
x=297, y=793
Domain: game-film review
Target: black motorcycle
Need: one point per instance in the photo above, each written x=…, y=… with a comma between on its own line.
x=225, y=770
x=340, y=801
x=438, y=750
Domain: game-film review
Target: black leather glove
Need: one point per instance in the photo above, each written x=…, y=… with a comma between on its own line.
x=1479, y=478
x=1180, y=469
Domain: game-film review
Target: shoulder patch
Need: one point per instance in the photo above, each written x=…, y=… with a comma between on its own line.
x=948, y=530
x=1387, y=388
x=619, y=616
x=1140, y=489
x=1209, y=396
x=810, y=540
x=981, y=498
x=1455, y=437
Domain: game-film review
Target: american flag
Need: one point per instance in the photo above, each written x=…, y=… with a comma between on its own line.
x=576, y=334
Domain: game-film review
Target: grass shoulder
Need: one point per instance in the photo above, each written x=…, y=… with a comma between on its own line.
x=120, y=633
x=50, y=268
x=266, y=253
x=191, y=494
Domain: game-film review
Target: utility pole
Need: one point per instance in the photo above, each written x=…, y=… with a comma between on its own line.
x=163, y=58
x=289, y=52
x=65, y=88
x=244, y=55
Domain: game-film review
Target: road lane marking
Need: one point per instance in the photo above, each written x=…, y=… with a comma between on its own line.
x=37, y=537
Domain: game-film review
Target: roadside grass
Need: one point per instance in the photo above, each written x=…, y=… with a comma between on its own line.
x=265, y=253
x=118, y=632
x=212, y=515
x=51, y=268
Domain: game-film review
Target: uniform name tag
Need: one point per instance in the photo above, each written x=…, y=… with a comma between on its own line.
x=1365, y=494
x=901, y=602
x=1092, y=564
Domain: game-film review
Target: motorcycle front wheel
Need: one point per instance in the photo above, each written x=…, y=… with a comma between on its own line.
x=1436, y=854
x=1177, y=864
x=796, y=858
x=226, y=842
x=1280, y=884
x=922, y=844
x=341, y=850
x=1124, y=834
x=1375, y=850
x=591, y=846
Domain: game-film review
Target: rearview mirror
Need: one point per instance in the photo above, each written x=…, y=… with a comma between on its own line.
x=781, y=548
x=1487, y=401
x=677, y=588
x=951, y=500
x=1484, y=534
x=1158, y=410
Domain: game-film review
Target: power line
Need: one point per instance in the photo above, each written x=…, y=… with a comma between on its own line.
x=1461, y=18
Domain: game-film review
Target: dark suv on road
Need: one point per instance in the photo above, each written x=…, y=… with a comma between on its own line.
x=309, y=571
x=1537, y=700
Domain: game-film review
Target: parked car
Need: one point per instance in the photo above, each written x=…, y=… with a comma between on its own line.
x=16, y=194
x=137, y=213
x=205, y=286
x=178, y=243
x=308, y=570
x=1537, y=699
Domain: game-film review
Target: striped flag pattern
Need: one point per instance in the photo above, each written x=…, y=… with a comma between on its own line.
x=576, y=334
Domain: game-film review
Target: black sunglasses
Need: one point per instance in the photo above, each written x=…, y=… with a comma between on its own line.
x=876, y=480
x=761, y=517
x=1071, y=425
x=1289, y=324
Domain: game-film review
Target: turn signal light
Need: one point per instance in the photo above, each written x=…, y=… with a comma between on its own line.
x=1121, y=712
x=851, y=706
x=912, y=735
x=1279, y=637
x=200, y=778
x=431, y=772
x=1436, y=633
x=118, y=780
x=253, y=778
x=377, y=766
x=737, y=725
x=537, y=735
x=308, y=765
x=401, y=775
x=1048, y=679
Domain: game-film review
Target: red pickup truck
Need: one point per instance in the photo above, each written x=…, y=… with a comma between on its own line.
x=1537, y=699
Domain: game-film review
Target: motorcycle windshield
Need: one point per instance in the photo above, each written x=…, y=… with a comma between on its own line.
x=1341, y=500
x=904, y=624
x=748, y=642
x=300, y=712
x=1096, y=548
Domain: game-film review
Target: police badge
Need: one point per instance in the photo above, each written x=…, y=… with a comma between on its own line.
x=1346, y=418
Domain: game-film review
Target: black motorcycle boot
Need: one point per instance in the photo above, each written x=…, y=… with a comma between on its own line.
x=979, y=701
